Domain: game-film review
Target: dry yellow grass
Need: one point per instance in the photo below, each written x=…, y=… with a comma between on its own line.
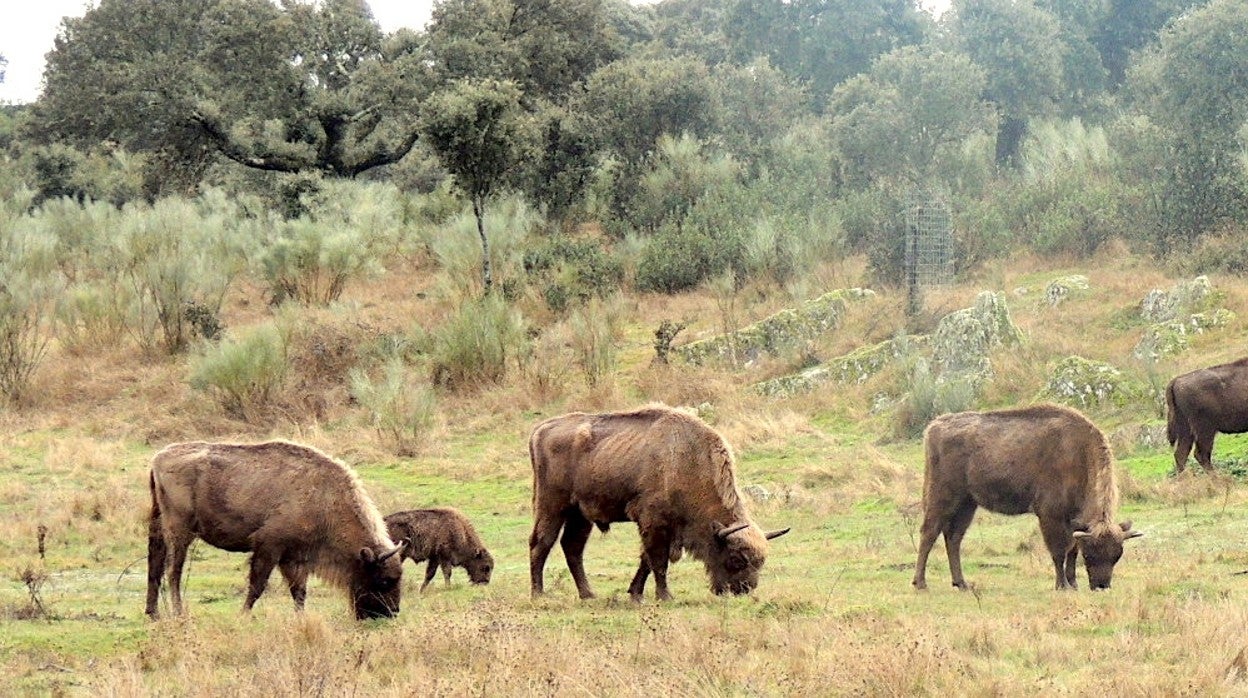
x=834, y=614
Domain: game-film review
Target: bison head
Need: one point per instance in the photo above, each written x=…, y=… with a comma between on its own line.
x=479, y=567
x=375, y=587
x=736, y=556
x=1102, y=547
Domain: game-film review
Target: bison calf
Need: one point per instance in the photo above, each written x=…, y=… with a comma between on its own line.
x=290, y=506
x=445, y=538
x=1201, y=403
x=1045, y=459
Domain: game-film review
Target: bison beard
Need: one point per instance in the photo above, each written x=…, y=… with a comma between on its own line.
x=664, y=469
x=290, y=506
x=1046, y=459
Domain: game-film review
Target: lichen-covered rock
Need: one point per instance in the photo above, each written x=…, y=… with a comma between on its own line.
x=1059, y=290
x=1186, y=298
x=1085, y=383
x=964, y=338
x=854, y=367
x=757, y=492
x=1169, y=338
x=784, y=330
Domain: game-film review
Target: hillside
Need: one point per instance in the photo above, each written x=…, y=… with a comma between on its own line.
x=834, y=612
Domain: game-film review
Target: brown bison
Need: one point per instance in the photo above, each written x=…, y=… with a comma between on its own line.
x=1202, y=403
x=445, y=538
x=1045, y=459
x=662, y=468
x=290, y=506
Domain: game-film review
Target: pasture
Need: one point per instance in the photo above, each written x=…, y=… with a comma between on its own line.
x=834, y=612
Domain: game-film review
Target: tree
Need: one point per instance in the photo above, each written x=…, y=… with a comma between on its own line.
x=290, y=88
x=822, y=42
x=1129, y=26
x=1017, y=45
x=476, y=127
x=1194, y=85
x=915, y=101
x=543, y=46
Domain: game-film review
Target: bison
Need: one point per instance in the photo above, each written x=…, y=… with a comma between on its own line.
x=662, y=468
x=445, y=538
x=1202, y=403
x=1046, y=459
x=290, y=506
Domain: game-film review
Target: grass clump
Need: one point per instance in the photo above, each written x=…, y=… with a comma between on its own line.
x=401, y=409
x=477, y=344
x=245, y=374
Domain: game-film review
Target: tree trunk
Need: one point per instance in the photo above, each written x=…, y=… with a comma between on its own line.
x=1009, y=140
x=487, y=273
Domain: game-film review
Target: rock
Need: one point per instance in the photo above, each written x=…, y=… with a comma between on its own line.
x=757, y=492
x=1186, y=298
x=787, y=329
x=1133, y=437
x=1085, y=383
x=1059, y=290
x=964, y=338
x=854, y=367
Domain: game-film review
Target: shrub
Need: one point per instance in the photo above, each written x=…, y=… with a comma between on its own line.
x=311, y=262
x=476, y=345
x=457, y=246
x=594, y=330
x=572, y=270
x=930, y=397
x=245, y=374
x=400, y=408
x=29, y=287
x=91, y=315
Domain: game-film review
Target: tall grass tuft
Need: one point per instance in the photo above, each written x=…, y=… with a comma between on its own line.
x=930, y=397
x=457, y=247
x=245, y=374
x=401, y=408
x=594, y=331
x=477, y=344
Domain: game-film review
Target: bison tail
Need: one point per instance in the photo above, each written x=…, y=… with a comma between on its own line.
x=1176, y=422
x=156, y=550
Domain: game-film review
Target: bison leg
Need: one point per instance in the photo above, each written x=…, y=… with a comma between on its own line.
x=157, y=553
x=576, y=532
x=637, y=588
x=1182, y=449
x=430, y=570
x=955, y=530
x=178, y=543
x=545, y=533
x=1071, y=558
x=296, y=576
x=1204, y=449
x=1059, y=541
x=446, y=571
x=928, y=533
x=262, y=564
x=657, y=548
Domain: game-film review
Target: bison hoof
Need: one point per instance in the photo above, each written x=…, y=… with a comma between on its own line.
x=636, y=598
x=919, y=585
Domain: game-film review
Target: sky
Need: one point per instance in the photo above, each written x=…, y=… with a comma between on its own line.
x=29, y=28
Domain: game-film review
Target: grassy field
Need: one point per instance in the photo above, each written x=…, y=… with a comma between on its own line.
x=833, y=615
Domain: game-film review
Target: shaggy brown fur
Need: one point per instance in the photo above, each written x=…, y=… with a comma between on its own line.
x=662, y=468
x=1046, y=459
x=290, y=506
x=1202, y=403
x=445, y=538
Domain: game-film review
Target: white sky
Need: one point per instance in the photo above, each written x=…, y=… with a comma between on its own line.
x=28, y=29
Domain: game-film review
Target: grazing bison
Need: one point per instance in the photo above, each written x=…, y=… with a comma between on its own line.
x=445, y=538
x=1202, y=403
x=1045, y=459
x=288, y=505
x=662, y=468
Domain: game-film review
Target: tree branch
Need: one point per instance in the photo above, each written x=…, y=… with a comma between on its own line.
x=232, y=150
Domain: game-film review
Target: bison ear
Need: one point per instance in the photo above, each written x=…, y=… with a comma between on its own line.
x=776, y=534
x=368, y=555
x=1126, y=528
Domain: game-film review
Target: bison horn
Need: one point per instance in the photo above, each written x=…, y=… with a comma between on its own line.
x=1081, y=534
x=725, y=531
x=776, y=534
x=397, y=549
x=1133, y=534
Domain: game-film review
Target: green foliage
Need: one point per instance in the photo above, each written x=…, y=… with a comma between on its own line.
x=29, y=287
x=457, y=249
x=680, y=174
x=572, y=270
x=175, y=256
x=92, y=315
x=929, y=397
x=679, y=258
x=477, y=345
x=401, y=408
x=245, y=374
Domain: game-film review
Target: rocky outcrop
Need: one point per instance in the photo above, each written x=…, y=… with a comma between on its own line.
x=1058, y=290
x=1182, y=312
x=1085, y=383
x=964, y=338
x=855, y=367
x=785, y=330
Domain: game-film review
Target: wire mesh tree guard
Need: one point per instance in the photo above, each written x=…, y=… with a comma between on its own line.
x=929, y=243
